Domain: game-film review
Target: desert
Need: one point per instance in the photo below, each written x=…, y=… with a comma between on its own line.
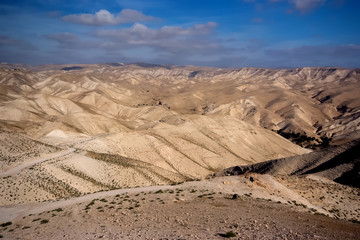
x=179, y=120
x=142, y=151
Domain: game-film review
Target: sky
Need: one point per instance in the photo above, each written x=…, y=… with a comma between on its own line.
x=221, y=33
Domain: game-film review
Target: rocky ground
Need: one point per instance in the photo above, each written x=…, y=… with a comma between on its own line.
x=212, y=209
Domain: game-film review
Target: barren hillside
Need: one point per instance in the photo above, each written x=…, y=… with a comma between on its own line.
x=103, y=130
x=139, y=124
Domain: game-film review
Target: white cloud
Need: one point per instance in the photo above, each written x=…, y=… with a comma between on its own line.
x=306, y=5
x=169, y=40
x=104, y=17
x=139, y=33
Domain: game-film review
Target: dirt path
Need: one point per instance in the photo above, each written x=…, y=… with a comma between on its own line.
x=78, y=141
x=10, y=212
x=31, y=162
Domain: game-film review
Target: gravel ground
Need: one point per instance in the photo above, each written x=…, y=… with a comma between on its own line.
x=187, y=213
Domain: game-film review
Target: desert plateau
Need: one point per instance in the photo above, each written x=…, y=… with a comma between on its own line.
x=145, y=151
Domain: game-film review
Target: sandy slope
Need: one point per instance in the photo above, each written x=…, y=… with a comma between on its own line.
x=158, y=155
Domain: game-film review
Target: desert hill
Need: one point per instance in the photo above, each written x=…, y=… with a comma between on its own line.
x=316, y=102
x=142, y=124
x=111, y=141
x=339, y=164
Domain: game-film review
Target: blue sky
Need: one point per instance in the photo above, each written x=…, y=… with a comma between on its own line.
x=227, y=33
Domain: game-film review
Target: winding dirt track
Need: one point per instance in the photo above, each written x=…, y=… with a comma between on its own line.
x=31, y=162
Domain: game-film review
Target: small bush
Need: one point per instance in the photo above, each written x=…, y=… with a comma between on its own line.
x=228, y=234
x=6, y=224
x=235, y=196
x=355, y=221
x=44, y=221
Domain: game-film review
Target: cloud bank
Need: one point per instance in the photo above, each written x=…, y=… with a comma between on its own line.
x=168, y=38
x=104, y=17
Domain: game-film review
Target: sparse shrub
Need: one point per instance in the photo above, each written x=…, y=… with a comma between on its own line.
x=228, y=234
x=235, y=196
x=6, y=224
x=58, y=210
x=355, y=221
x=44, y=221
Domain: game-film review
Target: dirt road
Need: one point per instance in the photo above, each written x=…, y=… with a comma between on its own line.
x=10, y=212
x=31, y=162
